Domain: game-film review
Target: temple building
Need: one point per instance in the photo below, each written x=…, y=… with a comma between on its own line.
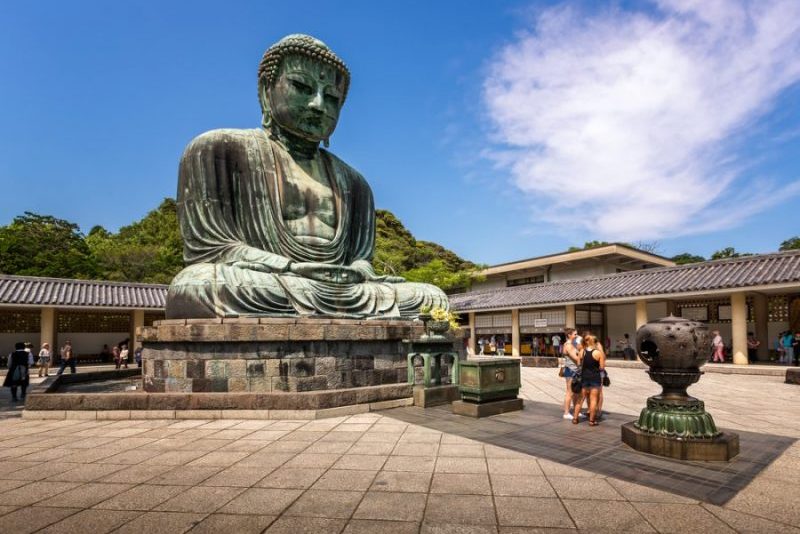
x=612, y=290
x=609, y=290
x=89, y=313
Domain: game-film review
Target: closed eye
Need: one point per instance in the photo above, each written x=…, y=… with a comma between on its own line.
x=301, y=87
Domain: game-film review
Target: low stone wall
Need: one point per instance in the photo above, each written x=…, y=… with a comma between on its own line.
x=539, y=361
x=313, y=400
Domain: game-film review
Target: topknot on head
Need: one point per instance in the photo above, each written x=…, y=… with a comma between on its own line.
x=305, y=45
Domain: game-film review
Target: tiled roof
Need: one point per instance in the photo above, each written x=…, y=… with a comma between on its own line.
x=748, y=271
x=35, y=291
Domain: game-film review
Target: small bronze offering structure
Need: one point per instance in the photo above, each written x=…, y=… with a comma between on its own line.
x=674, y=424
x=488, y=386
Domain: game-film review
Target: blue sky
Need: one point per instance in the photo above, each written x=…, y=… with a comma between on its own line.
x=501, y=130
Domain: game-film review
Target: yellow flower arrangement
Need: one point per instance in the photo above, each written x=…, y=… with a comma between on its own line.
x=440, y=314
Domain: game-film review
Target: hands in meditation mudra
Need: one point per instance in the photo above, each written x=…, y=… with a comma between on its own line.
x=272, y=224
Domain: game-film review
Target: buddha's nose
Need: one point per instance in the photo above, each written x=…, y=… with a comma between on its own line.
x=316, y=102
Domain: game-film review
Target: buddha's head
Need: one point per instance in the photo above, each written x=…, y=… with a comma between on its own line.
x=302, y=85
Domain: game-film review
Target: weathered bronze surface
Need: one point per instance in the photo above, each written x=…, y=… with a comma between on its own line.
x=272, y=224
x=489, y=379
x=673, y=423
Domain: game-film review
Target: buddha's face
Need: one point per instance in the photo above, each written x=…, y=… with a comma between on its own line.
x=306, y=97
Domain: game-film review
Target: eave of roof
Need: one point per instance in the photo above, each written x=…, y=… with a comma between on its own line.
x=38, y=291
x=576, y=255
x=782, y=268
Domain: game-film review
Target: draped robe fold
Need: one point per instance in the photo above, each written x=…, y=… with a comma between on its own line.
x=229, y=209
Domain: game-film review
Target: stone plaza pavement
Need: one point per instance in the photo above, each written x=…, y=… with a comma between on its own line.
x=376, y=472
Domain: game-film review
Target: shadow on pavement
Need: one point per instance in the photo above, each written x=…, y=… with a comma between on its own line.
x=540, y=431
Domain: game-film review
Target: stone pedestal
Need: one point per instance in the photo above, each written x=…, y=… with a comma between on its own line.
x=425, y=397
x=488, y=386
x=793, y=375
x=274, y=355
x=720, y=448
x=486, y=409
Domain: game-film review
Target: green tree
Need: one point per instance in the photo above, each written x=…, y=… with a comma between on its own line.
x=438, y=273
x=42, y=245
x=149, y=250
x=728, y=252
x=684, y=258
x=589, y=244
x=791, y=244
x=398, y=253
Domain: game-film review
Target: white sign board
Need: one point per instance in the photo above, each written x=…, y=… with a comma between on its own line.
x=540, y=323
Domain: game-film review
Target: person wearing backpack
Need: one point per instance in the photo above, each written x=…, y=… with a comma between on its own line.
x=17, y=371
x=67, y=358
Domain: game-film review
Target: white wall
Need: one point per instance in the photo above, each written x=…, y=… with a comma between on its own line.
x=621, y=319
x=656, y=310
x=489, y=283
x=7, y=341
x=90, y=342
x=576, y=272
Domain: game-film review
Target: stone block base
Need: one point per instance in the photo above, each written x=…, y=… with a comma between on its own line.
x=720, y=449
x=281, y=401
x=260, y=355
x=793, y=376
x=486, y=409
x=434, y=395
x=539, y=361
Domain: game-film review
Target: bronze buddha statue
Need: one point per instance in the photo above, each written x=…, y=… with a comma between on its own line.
x=274, y=225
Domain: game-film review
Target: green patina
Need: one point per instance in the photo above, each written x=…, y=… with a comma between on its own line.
x=489, y=379
x=272, y=224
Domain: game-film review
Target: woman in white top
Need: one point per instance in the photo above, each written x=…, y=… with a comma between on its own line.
x=44, y=360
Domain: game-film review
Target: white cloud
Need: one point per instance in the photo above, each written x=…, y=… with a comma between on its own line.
x=630, y=120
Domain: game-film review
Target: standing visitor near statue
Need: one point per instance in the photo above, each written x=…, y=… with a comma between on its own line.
x=67, y=358
x=501, y=346
x=274, y=225
x=788, y=348
x=752, y=347
x=718, y=347
x=44, y=360
x=593, y=363
x=571, y=361
x=796, y=349
x=556, y=341
x=115, y=352
x=17, y=376
x=29, y=350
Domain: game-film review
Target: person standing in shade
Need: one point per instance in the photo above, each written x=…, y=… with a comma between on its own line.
x=115, y=355
x=123, y=355
x=752, y=347
x=796, y=348
x=481, y=345
x=137, y=355
x=17, y=376
x=29, y=350
x=627, y=350
x=501, y=346
x=788, y=348
x=556, y=341
x=67, y=358
x=718, y=347
x=44, y=360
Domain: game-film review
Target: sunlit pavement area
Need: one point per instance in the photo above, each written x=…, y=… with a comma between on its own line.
x=408, y=470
